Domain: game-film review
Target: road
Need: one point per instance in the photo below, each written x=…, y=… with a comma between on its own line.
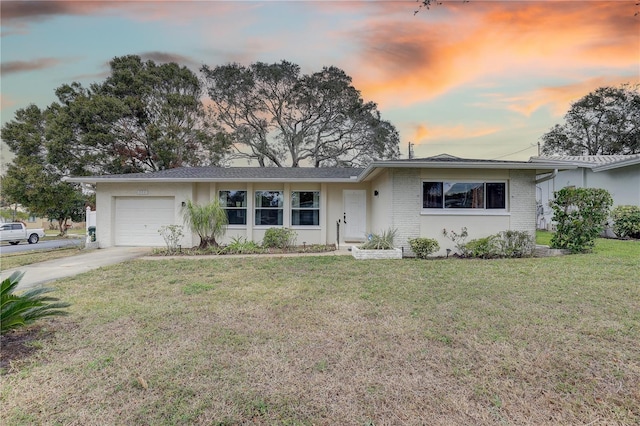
x=42, y=245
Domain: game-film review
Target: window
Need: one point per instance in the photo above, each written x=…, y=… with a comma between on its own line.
x=305, y=208
x=235, y=204
x=464, y=195
x=269, y=208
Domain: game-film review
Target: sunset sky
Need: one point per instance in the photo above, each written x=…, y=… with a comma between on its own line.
x=483, y=79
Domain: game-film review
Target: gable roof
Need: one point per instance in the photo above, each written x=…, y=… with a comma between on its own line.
x=596, y=163
x=313, y=174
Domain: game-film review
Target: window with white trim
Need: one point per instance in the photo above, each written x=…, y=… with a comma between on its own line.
x=235, y=205
x=464, y=195
x=268, y=208
x=305, y=208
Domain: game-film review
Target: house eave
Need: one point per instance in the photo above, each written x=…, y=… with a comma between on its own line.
x=96, y=179
x=539, y=167
x=617, y=165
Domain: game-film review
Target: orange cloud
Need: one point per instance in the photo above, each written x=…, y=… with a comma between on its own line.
x=559, y=98
x=423, y=134
x=403, y=62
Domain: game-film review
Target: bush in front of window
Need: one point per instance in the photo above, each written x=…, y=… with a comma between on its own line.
x=580, y=215
x=240, y=245
x=459, y=239
x=423, y=247
x=282, y=238
x=484, y=248
x=626, y=221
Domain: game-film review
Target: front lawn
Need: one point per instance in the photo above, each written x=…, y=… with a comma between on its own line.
x=331, y=340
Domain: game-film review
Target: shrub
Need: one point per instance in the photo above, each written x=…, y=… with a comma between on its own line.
x=171, y=235
x=484, y=248
x=282, y=238
x=423, y=247
x=20, y=310
x=383, y=241
x=516, y=244
x=580, y=214
x=503, y=244
x=240, y=245
x=459, y=240
x=626, y=221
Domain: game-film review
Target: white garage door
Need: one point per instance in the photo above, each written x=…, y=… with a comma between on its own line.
x=139, y=218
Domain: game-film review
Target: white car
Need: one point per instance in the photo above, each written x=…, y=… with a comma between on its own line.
x=16, y=231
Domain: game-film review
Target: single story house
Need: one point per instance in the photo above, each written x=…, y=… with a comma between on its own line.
x=417, y=197
x=618, y=174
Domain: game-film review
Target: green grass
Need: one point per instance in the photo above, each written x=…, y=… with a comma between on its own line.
x=543, y=237
x=331, y=340
x=15, y=260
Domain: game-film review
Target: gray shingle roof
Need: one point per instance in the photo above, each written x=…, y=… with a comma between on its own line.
x=242, y=174
x=591, y=161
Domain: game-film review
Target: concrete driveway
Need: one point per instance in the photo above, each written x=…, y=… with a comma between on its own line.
x=43, y=272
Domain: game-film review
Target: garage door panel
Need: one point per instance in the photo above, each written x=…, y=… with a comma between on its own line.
x=139, y=218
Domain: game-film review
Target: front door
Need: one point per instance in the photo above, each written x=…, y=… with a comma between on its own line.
x=355, y=214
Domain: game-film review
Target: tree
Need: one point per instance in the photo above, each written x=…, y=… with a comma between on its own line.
x=278, y=117
x=33, y=180
x=604, y=122
x=143, y=117
x=209, y=221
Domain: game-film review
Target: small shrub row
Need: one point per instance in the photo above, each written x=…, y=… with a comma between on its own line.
x=505, y=244
x=626, y=221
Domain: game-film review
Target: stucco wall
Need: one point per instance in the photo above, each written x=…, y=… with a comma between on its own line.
x=381, y=204
x=623, y=184
x=105, y=205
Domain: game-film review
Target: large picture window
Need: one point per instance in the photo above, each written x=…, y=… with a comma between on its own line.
x=305, y=208
x=235, y=204
x=269, y=208
x=464, y=195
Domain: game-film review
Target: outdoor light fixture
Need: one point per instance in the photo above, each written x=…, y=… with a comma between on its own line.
x=376, y=193
x=448, y=251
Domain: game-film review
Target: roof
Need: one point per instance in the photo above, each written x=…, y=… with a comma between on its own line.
x=446, y=161
x=597, y=163
x=313, y=174
x=234, y=174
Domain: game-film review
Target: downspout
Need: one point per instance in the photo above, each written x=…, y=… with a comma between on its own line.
x=547, y=177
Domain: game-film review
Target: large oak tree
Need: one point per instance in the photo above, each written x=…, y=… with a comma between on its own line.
x=604, y=122
x=279, y=117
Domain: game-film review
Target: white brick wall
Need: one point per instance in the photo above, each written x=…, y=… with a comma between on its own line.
x=375, y=254
x=522, y=200
x=406, y=206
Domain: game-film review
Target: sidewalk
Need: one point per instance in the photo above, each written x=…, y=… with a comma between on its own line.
x=51, y=270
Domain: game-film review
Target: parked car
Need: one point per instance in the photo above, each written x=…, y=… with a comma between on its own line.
x=16, y=231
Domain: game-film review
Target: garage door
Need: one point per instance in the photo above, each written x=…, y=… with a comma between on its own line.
x=139, y=218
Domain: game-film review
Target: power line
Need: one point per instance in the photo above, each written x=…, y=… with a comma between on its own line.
x=517, y=152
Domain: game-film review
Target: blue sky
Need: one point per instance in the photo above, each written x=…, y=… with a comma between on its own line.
x=483, y=79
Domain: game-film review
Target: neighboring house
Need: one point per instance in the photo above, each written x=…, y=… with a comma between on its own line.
x=417, y=197
x=618, y=174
